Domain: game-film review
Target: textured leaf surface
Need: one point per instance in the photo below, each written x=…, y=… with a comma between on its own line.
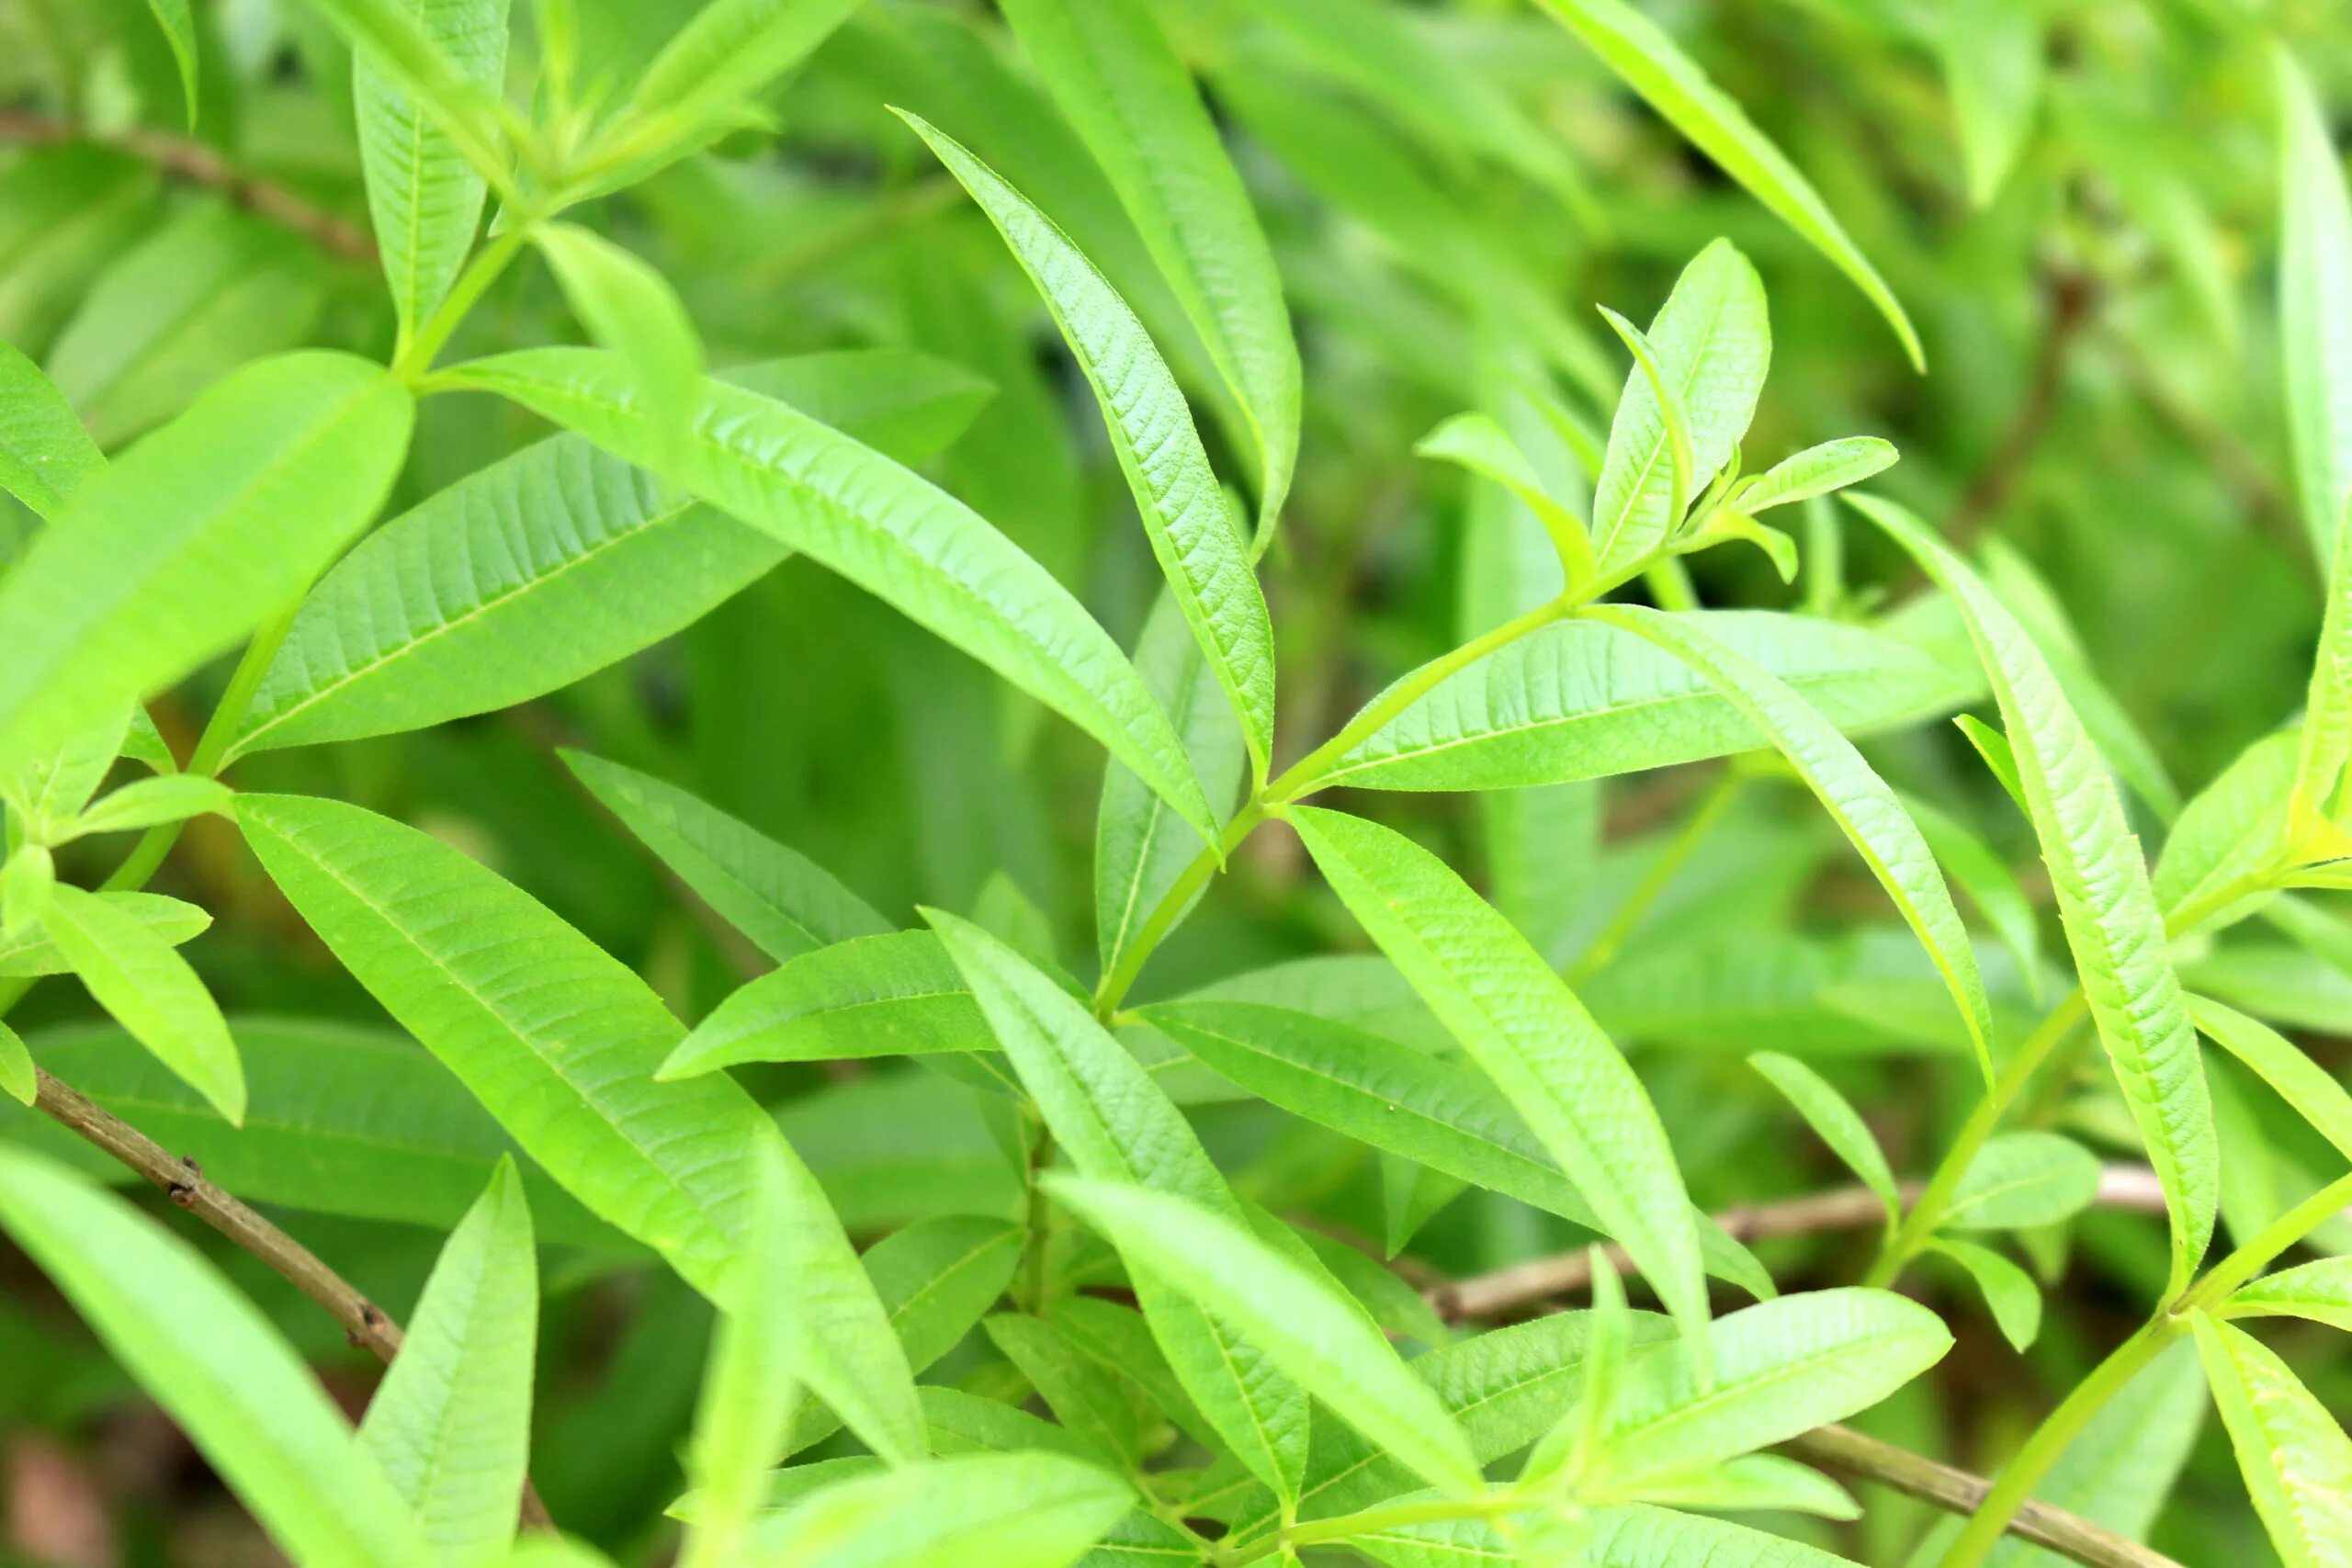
x=424, y=197
x=878, y=996
x=1039, y=1510
x=1834, y=1119
x=2021, y=1180
x=2295, y=1458
x=151, y=990
x=34, y=952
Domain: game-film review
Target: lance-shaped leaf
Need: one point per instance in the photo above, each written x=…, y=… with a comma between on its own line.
x=1528, y=1032
x=2314, y=306
x=781, y=899
x=630, y=309
x=896, y=994
x=882, y=528
x=1120, y=84
x=1478, y=443
x=2022, y=1180
x=1816, y=470
x=1091, y=1401
x=1040, y=1510
x=192, y=537
x=35, y=953
x=44, y=452
x=2101, y=882
x=424, y=196
x=1580, y=699
x=548, y=565
x=2310, y=1088
x=451, y=1422
x=1322, y=1341
x=213, y=1361
x=1116, y=1125
x=1989, y=882
x=562, y=1050
x=20, y=1080
x=2296, y=1460
x=1835, y=1121
x=178, y=25
x=1709, y=348
x=730, y=51
x=2009, y=1291
x=1651, y=63
x=141, y=980
x=1151, y=430
x=1858, y=800
x=400, y=46
x=2325, y=738
x=2321, y=1292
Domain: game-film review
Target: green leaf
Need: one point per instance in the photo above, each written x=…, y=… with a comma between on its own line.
x=728, y=52
x=885, y=529
x=1834, y=1119
x=2326, y=734
x=2295, y=1458
x=398, y=43
x=2021, y=1180
x=962, y=1423
x=1755, y=1483
x=1992, y=56
x=1039, y=1510
x=1118, y=82
x=1780, y=1368
x=451, y=1422
x=1651, y=63
x=1708, y=350
x=1089, y=1400
x=1660, y=1538
x=194, y=537
x=1989, y=882
x=172, y=797
x=214, y=1363
x=27, y=879
x=1478, y=443
x=1426, y=1109
x=896, y=994
x=1321, y=1341
x=2314, y=305
x=1581, y=700
x=2000, y=759
x=629, y=308
x=1115, y=1124
x=1562, y=1456
x=1816, y=470
x=19, y=1077
x=45, y=455
x=1527, y=1030
x=1151, y=429
x=424, y=196
x=2104, y=897
x=179, y=31
x=2321, y=1292
x=137, y=977
x=784, y=902
x=1858, y=800
x=2310, y=1090
x=548, y=565
x=2009, y=1291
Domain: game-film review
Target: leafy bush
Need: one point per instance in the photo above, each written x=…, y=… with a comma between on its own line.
x=670, y=482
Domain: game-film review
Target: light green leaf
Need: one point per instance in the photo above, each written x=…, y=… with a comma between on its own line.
x=1527, y=1030
x=2022, y=1180
x=45, y=455
x=1122, y=86
x=1039, y=1510
x=2314, y=306
x=1580, y=699
x=962, y=1423
x=172, y=920
x=451, y=1422
x=423, y=196
x=1651, y=63
x=2295, y=1458
x=1090, y=1400
x=2310, y=1090
x=896, y=994
x=1565, y=1453
x=2009, y=1291
x=27, y=879
x=171, y=797
x=137, y=977
x=1834, y=1119
x=2104, y=897
x=397, y=42
x=886, y=530
x=1478, y=443
x=629, y=308
x=548, y=565
x=2326, y=733
x=786, y=903
x=1115, y=1124
x=1756, y=1484
x=210, y=1358
x=1992, y=56
x=730, y=51
x=1816, y=470
x=1660, y=1538
x=1151, y=429
x=1707, y=352
x=1323, y=1342
x=192, y=537
x=1989, y=882
x=19, y=1077
x=179, y=31
x=2321, y=1292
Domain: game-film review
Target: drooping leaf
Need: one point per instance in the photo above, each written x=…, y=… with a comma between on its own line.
x=425, y=196
x=1120, y=84
x=179, y=31
x=1322, y=1342
x=2009, y=1291
x=2109, y=911
x=2296, y=1460
x=140, y=979
x=1989, y=882
x=192, y=537
x=2021, y=1180
x=2310, y=1090
x=1834, y=1119
x=213, y=1361
x=1581, y=700
x=886, y=530
x=1480, y=445
x=1039, y=1510
x=1527, y=1031
x=543, y=566
x=451, y=1422
x=1653, y=66
x=1868, y=812
x=1207, y=569
x=1816, y=470
x=2321, y=1292
x=2314, y=305
x=45, y=455
x=629, y=308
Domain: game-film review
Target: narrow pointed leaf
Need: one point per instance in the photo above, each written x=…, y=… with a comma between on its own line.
x=174, y=798
x=425, y=196
x=18, y=1079
x=2009, y=1291
x=138, y=978
x=2022, y=1180
x=729, y=52
x=179, y=31
x=45, y=455
x=35, y=953
x=1818, y=470
x=2296, y=1460
x=2314, y=305
x=1835, y=1119
x=630, y=309
x=2310, y=1090
x=2321, y=1292
x=1039, y=1510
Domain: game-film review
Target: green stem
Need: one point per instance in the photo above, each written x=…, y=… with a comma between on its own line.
x=2224, y=1278
x=415, y=355
x=1039, y=1280
x=1170, y=908
x=1663, y=869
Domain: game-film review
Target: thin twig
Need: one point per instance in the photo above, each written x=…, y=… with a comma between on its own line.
x=199, y=164
x=366, y=1323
